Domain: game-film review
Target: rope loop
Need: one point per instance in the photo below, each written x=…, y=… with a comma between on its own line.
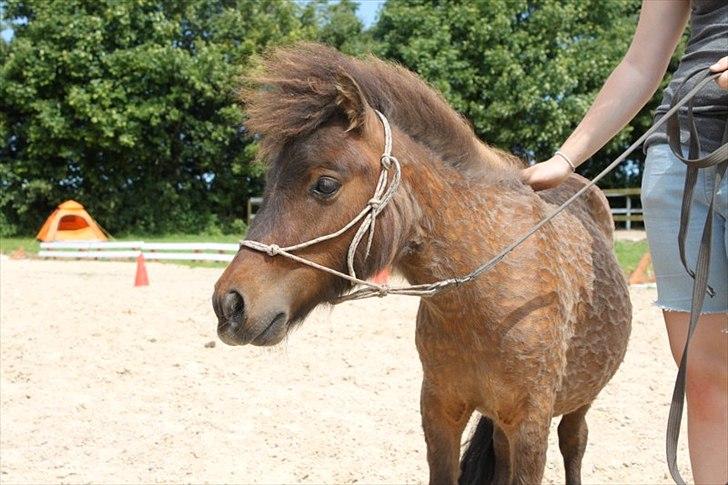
x=386, y=161
x=375, y=203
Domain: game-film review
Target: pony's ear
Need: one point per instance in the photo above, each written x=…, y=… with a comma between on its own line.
x=351, y=100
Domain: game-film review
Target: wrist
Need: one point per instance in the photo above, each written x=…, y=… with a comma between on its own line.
x=566, y=159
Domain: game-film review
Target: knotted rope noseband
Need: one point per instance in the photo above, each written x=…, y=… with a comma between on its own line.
x=383, y=194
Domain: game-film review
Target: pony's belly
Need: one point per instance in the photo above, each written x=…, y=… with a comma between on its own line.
x=601, y=312
x=496, y=381
x=595, y=353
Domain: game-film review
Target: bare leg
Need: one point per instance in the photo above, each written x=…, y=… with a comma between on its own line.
x=707, y=391
x=529, y=441
x=573, y=434
x=444, y=421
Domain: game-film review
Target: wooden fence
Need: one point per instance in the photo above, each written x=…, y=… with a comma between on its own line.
x=629, y=213
x=223, y=252
x=254, y=204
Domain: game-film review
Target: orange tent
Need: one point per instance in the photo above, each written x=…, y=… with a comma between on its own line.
x=71, y=222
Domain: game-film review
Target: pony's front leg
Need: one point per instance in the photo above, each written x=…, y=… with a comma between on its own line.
x=529, y=440
x=443, y=418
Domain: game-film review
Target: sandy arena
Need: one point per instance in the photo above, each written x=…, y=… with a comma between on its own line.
x=102, y=382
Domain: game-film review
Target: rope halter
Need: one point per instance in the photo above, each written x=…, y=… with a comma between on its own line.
x=383, y=193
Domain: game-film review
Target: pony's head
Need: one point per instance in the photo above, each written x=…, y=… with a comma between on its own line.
x=315, y=111
x=322, y=143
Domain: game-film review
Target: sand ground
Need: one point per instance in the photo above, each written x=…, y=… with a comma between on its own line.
x=106, y=383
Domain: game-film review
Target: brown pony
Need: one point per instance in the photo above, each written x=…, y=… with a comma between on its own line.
x=538, y=336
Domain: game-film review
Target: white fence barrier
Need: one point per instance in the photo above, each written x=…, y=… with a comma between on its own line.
x=629, y=213
x=131, y=249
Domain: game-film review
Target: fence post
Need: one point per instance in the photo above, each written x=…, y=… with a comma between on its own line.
x=628, y=224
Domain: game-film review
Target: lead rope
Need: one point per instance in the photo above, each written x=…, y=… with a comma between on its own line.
x=383, y=194
x=719, y=159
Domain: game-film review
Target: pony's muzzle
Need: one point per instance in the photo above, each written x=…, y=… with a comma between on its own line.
x=236, y=325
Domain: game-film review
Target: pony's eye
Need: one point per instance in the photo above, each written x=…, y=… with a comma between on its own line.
x=326, y=186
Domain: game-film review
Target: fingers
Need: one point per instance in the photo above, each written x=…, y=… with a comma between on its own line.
x=526, y=174
x=721, y=65
x=530, y=176
x=722, y=80
x=545, y=175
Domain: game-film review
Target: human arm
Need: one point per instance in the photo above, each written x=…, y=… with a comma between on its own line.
x=625, y=92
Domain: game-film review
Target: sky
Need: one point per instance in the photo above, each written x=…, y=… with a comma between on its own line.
x=367, y=12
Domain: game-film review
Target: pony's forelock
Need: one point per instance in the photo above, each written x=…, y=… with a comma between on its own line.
x=292, y=92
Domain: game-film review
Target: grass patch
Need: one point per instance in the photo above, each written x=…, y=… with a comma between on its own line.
x=629, y=254
x=10, y=244
x=31, y=246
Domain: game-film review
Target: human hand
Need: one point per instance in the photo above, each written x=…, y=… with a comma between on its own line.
x=546, y=175
x=721, y=66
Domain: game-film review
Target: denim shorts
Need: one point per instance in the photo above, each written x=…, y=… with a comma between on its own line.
x=662, y=191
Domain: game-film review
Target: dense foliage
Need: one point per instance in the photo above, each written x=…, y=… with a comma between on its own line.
x=524, y=72
x=129, y=107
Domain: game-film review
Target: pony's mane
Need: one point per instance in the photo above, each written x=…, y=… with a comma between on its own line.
x=293, y=92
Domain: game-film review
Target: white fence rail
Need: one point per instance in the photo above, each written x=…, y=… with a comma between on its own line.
x=629, y=213
x=131, y=249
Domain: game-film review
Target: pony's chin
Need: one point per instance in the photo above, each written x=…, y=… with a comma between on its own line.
x=274, y=332
x=228, y=337
x=265, y=340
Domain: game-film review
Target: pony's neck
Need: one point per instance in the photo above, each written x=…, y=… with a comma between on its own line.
x=457, y=146
x=416, y=109
x=459, y=216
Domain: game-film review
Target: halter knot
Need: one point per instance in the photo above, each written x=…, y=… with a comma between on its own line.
x=375, y=203
x=386, y=161
x=273, y=250
x=382, y=291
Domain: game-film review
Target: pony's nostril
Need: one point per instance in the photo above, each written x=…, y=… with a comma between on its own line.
x=233, y=307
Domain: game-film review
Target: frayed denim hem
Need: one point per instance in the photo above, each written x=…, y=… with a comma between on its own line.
x=672, y=308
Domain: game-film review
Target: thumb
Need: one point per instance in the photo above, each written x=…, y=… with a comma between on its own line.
x=525, y=174
x=721, y=65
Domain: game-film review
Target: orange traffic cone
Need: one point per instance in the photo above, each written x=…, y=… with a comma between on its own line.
x=643, y=273
x=141, y=278
x=382, y=277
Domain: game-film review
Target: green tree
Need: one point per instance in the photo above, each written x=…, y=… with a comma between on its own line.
x=523, y=71
x=337, y=25
x=130, y=108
